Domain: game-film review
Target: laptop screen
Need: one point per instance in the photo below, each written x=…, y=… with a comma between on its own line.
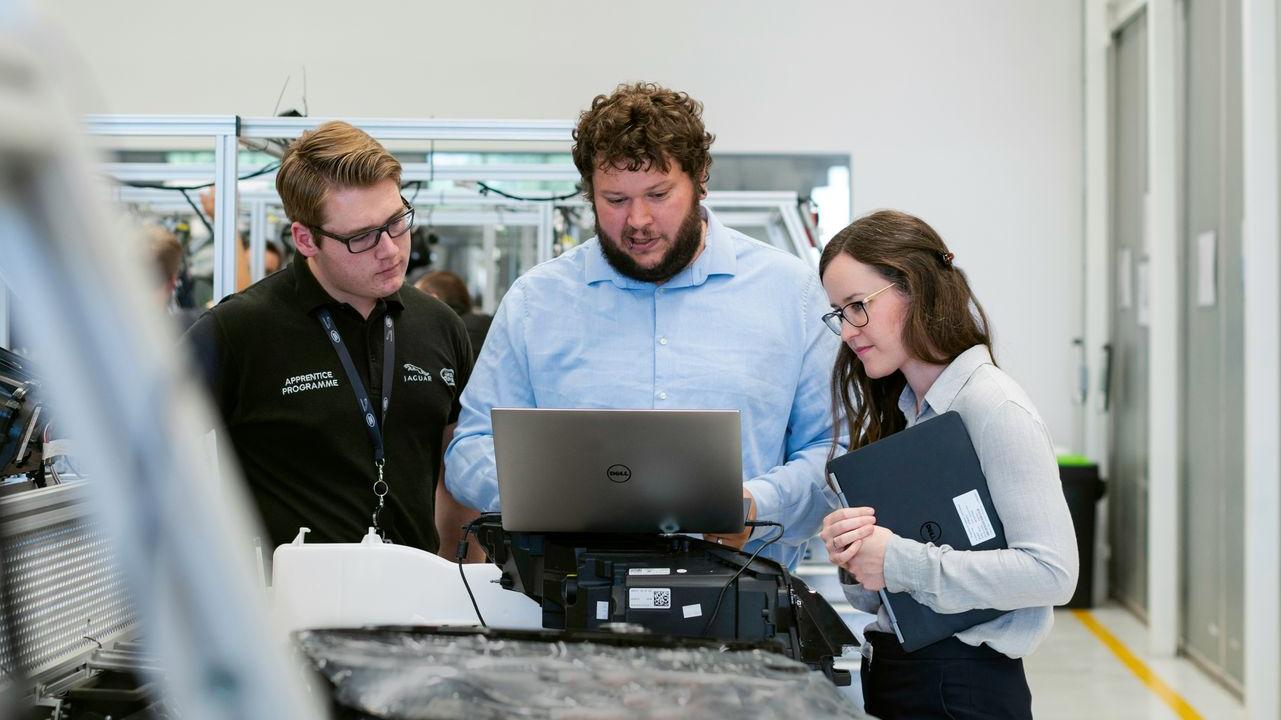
x=619, y=471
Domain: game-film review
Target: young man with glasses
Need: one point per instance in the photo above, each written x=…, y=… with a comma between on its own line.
x=338, y=387
x=665, y=308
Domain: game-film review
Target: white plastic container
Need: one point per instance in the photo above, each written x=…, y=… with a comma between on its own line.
x=326, y=585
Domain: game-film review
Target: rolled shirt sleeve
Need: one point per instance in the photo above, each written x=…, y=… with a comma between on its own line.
x=796, y=493
x=499, y=379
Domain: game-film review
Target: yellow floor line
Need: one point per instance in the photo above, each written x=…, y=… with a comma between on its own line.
x=1137, y=666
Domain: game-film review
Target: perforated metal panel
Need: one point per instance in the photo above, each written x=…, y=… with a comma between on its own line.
x=65, y=593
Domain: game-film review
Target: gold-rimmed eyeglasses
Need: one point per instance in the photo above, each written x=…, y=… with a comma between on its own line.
x=854, y=313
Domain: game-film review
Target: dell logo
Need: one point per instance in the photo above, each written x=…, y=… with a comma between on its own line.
x=931, y=532
x=619, y=473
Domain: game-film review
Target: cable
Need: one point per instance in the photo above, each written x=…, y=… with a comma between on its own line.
x=468, y=529
x=265, y=169
x=184, y=189
x=199, y=213
x=720, y=598
x=418, y=185
x=486, y=189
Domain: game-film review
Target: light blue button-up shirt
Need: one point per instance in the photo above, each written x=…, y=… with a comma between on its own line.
x=739, y=328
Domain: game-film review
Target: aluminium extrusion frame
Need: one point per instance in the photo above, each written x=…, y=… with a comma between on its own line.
x=778, y=212
x=462, y=172
x=227, y=131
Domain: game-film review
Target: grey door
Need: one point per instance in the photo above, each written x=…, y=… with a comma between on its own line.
x=1128, y=376
x=1213, y=342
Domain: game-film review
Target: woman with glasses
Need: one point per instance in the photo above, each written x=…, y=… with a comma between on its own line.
x=916, y=344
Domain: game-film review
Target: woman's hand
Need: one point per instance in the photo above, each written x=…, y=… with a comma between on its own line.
x=868, y=564
x=844, y=531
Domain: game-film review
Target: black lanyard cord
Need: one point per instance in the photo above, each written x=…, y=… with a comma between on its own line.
x=375, y=425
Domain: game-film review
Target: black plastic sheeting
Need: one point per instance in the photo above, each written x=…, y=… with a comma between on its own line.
x=417, y=673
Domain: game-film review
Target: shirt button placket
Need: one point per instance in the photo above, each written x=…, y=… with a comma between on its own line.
x=660, y=341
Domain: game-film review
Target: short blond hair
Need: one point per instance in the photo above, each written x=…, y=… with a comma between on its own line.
x=334, y=155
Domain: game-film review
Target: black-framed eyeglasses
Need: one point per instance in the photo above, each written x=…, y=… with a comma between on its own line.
x=854, y=313
x=368, y=239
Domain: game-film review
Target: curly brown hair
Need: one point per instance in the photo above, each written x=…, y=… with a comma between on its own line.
x=944, y=319
x=641, y=126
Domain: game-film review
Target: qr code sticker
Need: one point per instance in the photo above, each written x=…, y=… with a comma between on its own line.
x=649, y=598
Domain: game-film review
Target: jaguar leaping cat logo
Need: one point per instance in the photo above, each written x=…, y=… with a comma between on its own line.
x=413, y=373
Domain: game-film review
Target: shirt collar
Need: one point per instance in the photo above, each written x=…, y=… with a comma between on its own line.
x=948, y=385
x=312, y=296
x=718, y=258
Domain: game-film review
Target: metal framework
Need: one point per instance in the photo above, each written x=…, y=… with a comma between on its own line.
x=777, y=212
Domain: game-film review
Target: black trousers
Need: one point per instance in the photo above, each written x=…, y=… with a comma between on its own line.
x=948, y=679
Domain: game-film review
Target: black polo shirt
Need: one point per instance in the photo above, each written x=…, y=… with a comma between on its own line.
x=293, y=419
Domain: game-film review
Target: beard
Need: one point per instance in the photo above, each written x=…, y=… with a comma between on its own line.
x=684, y=247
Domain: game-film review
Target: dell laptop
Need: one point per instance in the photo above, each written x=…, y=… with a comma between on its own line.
x=926, y=484
x=619, y=471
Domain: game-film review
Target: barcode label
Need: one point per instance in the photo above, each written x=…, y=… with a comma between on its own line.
x=978, y=527
x=649, y=598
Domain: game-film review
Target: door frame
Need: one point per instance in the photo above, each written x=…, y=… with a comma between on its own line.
x=1261, y=245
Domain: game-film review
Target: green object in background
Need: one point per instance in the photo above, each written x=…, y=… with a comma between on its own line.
x=1074, y=461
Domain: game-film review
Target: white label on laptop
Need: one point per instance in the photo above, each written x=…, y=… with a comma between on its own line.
x=649, y=598
x=649, y=571
x=602, y=609
x=692, y=611
x=977, y=524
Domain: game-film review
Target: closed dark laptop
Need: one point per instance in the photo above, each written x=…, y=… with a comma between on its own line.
x=926, y=484
x=619, y=471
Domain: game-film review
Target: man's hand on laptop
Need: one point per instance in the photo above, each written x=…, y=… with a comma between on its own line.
x=739, y=539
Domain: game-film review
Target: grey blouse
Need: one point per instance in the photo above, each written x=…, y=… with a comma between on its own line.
x=1039, y=569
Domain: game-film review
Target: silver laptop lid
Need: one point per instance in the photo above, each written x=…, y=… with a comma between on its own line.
x=619, y=471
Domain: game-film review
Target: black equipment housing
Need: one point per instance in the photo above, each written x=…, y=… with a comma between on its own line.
x=590, y=582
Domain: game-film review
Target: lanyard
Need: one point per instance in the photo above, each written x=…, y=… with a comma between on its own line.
x=373, y=425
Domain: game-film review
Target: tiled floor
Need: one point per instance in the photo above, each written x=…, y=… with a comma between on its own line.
x=1075, y=675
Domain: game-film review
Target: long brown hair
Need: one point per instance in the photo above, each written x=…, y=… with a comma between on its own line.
x=943, y=320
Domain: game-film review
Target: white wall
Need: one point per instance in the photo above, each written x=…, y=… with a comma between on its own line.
x=968, y=114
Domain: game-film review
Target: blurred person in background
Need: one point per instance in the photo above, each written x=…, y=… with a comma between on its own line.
x=167, y=258
x=451, y=290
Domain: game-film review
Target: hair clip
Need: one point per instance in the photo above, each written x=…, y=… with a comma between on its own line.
x=947, y=258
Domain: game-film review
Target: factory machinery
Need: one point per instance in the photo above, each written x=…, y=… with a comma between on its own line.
x=67, y=627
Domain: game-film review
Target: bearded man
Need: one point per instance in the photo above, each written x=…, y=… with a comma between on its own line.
x=665, y=308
